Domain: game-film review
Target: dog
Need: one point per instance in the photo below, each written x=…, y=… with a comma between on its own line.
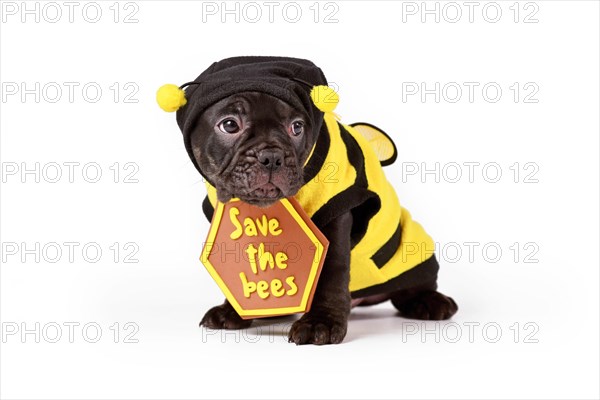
x=253, y=129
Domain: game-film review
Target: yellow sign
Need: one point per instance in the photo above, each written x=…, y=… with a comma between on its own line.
x=265, y=260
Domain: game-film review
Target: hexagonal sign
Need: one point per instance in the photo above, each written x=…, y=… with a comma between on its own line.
x=265, y=260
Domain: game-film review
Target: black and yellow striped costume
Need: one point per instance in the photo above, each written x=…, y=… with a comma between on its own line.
x=390, y=251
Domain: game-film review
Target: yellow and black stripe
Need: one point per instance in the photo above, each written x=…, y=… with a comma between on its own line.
x=390, y=251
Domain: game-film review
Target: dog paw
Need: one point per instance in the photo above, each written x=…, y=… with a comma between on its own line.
x=428, y=305
x=224, y=317
x=318, y=329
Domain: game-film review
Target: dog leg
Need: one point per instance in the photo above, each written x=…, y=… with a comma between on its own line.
x=424, y=303
x=224, y=317
x=327, y=321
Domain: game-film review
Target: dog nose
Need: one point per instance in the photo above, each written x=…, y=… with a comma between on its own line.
x=271, y=158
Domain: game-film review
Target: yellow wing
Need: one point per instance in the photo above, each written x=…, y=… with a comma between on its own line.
x=384, y=146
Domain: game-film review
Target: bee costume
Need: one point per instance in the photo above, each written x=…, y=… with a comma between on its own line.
x=390, y=251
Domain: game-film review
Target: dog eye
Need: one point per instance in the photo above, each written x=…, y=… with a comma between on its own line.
x=229, y=126
x=297, y=128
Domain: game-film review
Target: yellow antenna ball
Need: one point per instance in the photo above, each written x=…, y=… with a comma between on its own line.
x=170, y=97
x=325, y=98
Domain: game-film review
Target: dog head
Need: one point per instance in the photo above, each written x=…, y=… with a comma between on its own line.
x=250, y=123
x=253, y=146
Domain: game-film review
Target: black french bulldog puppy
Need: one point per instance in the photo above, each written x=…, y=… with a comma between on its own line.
x=254, y=146
x=263, y=128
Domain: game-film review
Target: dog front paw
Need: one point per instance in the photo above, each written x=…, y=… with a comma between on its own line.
x=224, y=317
x=315, y=328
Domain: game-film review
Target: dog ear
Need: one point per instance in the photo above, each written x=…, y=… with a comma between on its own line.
x=384, y=146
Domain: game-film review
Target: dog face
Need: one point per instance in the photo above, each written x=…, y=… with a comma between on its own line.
x=253, y=146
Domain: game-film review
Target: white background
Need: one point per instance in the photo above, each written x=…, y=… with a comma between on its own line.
x=371, y=53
